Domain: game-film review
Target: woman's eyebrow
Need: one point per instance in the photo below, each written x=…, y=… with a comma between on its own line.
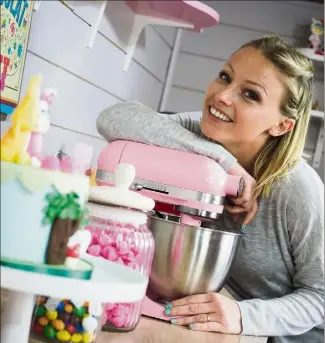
x=258, y=84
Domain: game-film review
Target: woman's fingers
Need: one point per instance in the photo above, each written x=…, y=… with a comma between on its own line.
x=190, y=309
x=193, y=299
x=240, y=201
x=251, y=214
x=200, y=318
x=208, y=326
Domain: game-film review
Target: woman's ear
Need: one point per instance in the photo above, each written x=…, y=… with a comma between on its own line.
x=282, y=128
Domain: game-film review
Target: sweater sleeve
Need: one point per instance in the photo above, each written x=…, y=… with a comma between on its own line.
x=303, y=309
x=135, y=122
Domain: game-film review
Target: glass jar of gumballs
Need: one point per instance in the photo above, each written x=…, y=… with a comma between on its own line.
x=118, y=224
x=62, y=320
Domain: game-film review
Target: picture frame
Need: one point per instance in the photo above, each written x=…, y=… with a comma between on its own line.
x=15, y=21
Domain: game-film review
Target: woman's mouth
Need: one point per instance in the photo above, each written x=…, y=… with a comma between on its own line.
x=219, y=115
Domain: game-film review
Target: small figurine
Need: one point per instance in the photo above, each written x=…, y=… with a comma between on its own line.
x=316, y=106
x=35, y=147
x=25, y=118
x=317, y=29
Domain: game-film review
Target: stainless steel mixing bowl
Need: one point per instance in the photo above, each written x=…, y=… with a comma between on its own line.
x=189, y=260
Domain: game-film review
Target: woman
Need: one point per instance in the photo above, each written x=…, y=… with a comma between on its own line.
x=258, y=108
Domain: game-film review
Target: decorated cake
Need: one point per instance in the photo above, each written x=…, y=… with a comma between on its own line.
x=42, y=200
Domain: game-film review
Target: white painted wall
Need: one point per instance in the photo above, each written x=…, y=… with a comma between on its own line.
x=88, y=80
x=202, y=56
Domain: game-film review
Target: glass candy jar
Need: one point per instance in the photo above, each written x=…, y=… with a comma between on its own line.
x=62, y=320
x=118, y=224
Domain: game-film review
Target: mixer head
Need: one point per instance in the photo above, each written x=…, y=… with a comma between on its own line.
x=191, y=186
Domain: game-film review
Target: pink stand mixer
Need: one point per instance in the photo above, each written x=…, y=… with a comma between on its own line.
x=192, y=189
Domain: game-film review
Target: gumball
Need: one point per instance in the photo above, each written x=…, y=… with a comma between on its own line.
x=49, y=332
x=63, y=336
x=68, y=308
x=90, y=324
x=58, y=324
x=76, y=338
x=38, y=328
x=79, y=328
x=74, y=320
x=80, y=311
x=86, y=337
x=71, y=329
x=40, y=311
x=65, y=317
x=60, y=307
x=43, y=321
x=51, y=314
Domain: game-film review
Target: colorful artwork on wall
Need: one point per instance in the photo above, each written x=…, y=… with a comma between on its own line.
x=15, y=26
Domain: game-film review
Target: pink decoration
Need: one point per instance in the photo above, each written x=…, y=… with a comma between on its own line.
x=66, y=165
x=35, y=147
x=51, y=162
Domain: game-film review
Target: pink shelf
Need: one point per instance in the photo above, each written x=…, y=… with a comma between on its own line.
x=173, y=13
x=190, y=12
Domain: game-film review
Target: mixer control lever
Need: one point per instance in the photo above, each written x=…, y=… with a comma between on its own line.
x=137, y=187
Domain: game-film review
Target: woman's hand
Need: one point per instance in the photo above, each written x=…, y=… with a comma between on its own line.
x=206, y=312
x=246, y=203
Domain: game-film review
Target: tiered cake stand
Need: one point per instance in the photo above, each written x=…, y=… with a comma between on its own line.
x=113, y=283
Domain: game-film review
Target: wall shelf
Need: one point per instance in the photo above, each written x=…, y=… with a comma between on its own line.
x=317, y=114
x=176, y=13
x=310, y=54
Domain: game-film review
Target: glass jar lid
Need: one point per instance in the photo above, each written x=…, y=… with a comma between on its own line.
x=119, y=194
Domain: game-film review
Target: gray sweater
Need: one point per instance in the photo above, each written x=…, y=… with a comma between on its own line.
x=278, y=276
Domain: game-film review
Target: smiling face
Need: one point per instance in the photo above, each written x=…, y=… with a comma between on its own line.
x=242, y=105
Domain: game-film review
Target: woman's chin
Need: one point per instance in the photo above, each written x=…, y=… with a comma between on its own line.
x=210, y=131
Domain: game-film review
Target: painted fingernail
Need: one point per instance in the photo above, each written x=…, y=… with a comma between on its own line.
x=173, y=321
x=169, y=305
x=191, y=326
x=168, y=312
x=243, y=228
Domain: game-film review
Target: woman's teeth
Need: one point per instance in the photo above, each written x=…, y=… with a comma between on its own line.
x=219, y=115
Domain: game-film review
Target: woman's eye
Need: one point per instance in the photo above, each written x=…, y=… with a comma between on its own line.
x=224, y=76
x=251, y=95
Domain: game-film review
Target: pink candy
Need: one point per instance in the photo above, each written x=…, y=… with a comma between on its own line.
x=127, y=245
x=110, y=253
x=94, y=250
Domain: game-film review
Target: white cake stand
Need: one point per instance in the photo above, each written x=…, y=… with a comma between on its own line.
x=114, y=283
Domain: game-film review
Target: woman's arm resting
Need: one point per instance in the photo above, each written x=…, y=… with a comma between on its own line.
x=302, y=310
x=135, y=122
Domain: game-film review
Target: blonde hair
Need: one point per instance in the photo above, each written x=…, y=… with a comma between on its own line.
x=281, y=153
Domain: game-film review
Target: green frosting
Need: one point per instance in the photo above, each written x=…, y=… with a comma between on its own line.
x=64, y=206
x=36, y=179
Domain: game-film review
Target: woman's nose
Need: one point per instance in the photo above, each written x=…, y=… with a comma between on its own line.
x=225, y=95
